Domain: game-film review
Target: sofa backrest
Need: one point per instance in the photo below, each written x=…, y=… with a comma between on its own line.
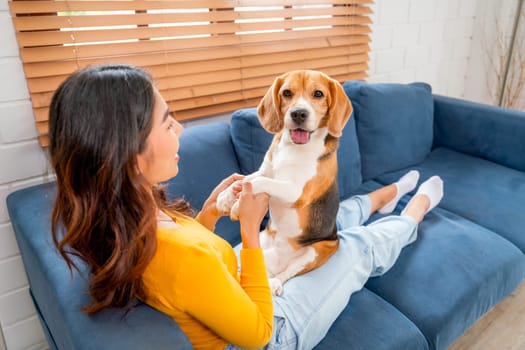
x=394, y=124
x=251, y=141
x=480, y=130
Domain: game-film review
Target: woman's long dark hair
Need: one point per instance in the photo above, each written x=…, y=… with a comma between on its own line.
x=99, y=120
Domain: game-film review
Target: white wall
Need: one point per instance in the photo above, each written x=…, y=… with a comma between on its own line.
x=423, y=40
x=413, y=40
x=496, y=22
x=22, y=163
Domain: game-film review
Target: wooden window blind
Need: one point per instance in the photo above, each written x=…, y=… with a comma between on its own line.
x=207, y=57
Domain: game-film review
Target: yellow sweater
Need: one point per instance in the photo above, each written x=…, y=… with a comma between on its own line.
x=193, y=278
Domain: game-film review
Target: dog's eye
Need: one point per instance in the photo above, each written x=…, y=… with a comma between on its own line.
x=287, y=93
x=318, y=93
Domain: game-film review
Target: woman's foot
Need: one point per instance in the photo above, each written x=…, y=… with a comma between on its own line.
x=404, y=185
x=427, y=197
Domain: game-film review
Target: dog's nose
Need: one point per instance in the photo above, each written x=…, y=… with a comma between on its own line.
x=299, y=115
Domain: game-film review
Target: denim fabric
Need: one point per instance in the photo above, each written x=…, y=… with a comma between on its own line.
x=394, y=124
x=311, y=303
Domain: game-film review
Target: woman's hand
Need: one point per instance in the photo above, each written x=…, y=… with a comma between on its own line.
x=252, y=208
x=209, y=214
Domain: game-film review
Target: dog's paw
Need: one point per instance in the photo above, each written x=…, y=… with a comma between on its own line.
x=234, y=212
x=225, y=201
x=276, y=286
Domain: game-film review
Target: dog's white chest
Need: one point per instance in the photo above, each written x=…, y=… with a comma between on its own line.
x=294, y=165
x=297, y=163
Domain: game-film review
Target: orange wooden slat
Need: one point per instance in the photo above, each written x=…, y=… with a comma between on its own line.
x=46, y=38
x=33, y=7
x=39, y=54
x=65, y=20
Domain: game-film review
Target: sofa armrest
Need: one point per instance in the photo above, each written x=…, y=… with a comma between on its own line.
x=492, y=133
x=59, y=294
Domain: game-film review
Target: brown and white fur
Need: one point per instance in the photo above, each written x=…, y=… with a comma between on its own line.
x=306, y=110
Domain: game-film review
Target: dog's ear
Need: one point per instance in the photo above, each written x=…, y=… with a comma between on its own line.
x=339, y=109
x=269, y=110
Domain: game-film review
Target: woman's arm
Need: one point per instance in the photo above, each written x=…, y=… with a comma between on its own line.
x=252, y=208
x=240, y=313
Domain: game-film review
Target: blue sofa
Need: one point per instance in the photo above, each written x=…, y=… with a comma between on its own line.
x=468, y=257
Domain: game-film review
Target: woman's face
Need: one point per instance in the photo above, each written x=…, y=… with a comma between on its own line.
x=159, y=160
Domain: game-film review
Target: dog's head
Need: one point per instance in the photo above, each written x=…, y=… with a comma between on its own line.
x=303, y=101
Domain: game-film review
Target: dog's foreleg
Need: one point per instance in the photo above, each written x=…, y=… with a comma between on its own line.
x=285, y=190
x=227, y=202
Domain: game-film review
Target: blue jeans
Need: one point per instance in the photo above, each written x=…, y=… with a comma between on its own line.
x=310, y=303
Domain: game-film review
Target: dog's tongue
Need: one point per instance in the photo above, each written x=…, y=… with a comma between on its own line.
x=300, y=136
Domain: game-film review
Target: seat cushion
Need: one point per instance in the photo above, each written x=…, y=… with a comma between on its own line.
x=450, y=276
x=394, y=124
x=481, y=191
x=251, y=141
x=369, y=322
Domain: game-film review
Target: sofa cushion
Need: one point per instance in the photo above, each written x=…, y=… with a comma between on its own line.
x=394, y=124
x=450, y=276
x=454, y=273
x=249, y=138
x=481, y=191
x=369, y=322
x=251, y=142
x=59, y=294
x=206, y=158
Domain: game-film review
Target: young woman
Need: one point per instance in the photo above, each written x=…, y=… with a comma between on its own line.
x=112, y=141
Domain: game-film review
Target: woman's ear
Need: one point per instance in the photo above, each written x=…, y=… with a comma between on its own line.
x=269, y=110
x=339, y=109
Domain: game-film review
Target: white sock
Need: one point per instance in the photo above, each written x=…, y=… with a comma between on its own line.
x=404, y=185
x=433, y=189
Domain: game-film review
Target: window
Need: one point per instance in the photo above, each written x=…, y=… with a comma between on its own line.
x=206, y=57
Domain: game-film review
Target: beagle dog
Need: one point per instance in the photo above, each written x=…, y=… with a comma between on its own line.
x=306, y=110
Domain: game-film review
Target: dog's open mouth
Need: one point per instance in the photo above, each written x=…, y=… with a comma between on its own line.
x=300, y=136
